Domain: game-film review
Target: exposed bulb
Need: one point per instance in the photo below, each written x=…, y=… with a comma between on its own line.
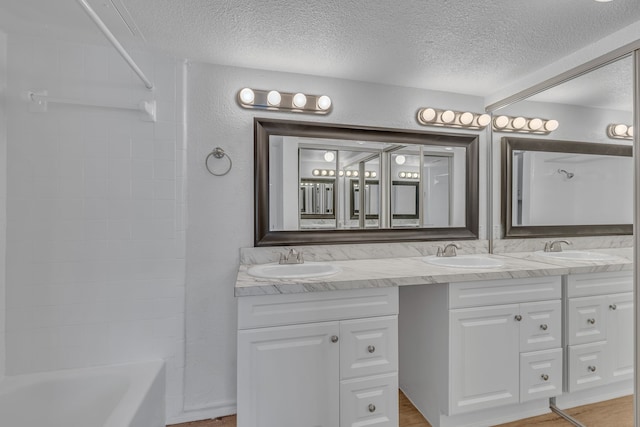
x=518, y=122
x=620, y=130
x=316, y=172
x=448, y=116
x=329, y=156
x=551, y=125
x=299, y=100
x=466, y=118
x=428, y=114
x=534, y=124
x=484, y=120
x=274, y=98
x=247, y=96
x=501, y=122
x=324, y=102
x=400, y=159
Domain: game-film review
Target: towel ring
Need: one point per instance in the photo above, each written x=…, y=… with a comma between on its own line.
x=218, y=153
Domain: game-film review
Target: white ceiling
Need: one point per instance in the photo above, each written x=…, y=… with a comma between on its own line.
x=465, y=46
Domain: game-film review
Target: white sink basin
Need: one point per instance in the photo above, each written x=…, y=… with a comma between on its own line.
x=293, y=271
x=464, y=261
x=576, y=255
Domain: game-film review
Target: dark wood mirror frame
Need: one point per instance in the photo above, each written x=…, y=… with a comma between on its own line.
x=264, y=128
x=509, y=145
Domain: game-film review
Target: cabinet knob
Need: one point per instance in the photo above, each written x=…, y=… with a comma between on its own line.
x=544, y=327
x=371, y=349
x=372, y=407
x=334, y=338
x=592, y=368
x=544, y=377
x=613, y=306
x=591, y=321
x=518, y=317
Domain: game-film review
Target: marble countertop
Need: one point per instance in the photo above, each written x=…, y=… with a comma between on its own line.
x=407, y=271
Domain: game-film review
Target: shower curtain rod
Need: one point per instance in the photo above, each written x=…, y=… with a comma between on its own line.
x=116, y=44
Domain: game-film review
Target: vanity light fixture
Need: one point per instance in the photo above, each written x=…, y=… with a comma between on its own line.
x=332, y=173
x=454, y=119
x=620, y=131
x=408, y=175
x=274, y=100
x=521, y=124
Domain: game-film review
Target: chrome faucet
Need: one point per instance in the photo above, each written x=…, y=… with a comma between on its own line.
x=448, y=251
x=293, y=257
x=555, y=245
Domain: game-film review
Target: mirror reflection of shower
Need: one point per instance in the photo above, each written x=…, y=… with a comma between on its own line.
x=569, y=175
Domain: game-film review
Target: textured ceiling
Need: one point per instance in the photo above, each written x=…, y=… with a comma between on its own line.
x=465, y=46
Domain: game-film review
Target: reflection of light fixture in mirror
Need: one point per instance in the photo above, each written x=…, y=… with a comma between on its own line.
x=620, y=131
x=408, y=175
x=400, y=159
x=455, y=119
x=274, y=100
x=521, y=124
x=329, y=156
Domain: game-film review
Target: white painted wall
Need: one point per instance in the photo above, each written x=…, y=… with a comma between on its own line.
x=221, y=208
x=3, y=194
x=95, y=201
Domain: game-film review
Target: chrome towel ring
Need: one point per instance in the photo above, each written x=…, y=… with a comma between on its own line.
x=218, y=153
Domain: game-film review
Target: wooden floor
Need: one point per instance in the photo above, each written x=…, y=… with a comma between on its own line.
x=611, y=413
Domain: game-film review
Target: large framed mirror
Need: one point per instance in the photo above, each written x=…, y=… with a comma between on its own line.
x=318, y=183
x=565, y=188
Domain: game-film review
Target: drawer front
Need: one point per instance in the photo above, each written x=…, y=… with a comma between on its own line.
x=368, y=346
x=588, y=366
x=504, y=291
x=277, y=310
x=587, y=320
x=369, y=402
x=541, y=326
x=582, y=285
x=540, y=374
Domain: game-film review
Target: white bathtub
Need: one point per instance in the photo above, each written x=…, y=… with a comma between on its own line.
x=130, y=395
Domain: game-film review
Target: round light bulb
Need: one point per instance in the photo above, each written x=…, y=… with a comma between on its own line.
x=356, y=173
x=373, y=174
x=316, y=172
x=551, y=125
x=323, y=172
x=332, y=173
x=448, y=116
x=299, y=100
x=247, y=96
x=466, y=118
x=620, y=130
x=415, y=174
x=428, y=114
x=402, y=174
x=367, y=174
x=630, y=131
x=341, y=173
x=274, y=98
x=484, y=120
x=400, y=159
x=329, y=156
x=518, y=122
x=534, y=124
x=501, y=122
x=324, y=102
x=349, y=173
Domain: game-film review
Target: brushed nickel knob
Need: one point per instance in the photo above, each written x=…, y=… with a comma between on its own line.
x=613, y=306
x=372, y=407
x=371, y=349
x=591, y=321
x=518, y=317
x=592, y=368
x=544, y=327
x=334, y=338
x=544, y=377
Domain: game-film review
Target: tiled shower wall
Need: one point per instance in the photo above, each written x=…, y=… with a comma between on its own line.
x=95, y=202
x=3, y=193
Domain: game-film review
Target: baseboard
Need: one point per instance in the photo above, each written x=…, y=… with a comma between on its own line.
x=218, y=409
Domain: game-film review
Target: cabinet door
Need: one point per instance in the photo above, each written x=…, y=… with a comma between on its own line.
x=587, y=320
x=588, y=366
x=620, y=335
x=541, y=326
x=484, y=358
x=289, y=376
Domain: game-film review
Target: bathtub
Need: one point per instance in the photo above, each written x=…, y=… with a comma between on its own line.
x=130, y=395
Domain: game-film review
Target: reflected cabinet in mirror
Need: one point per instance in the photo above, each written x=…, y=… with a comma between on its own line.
x=318, y=183
x=566, y=188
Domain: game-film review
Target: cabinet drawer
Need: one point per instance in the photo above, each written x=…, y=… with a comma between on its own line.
x=582, y=285
x=368, y=346
x=540, y=374
x=276, y=310
x=587, y=366
x=369, y=402
x=587, y=320
x=505, y=291
x=541, y=326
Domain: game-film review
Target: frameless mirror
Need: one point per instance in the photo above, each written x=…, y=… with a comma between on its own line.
x=320, y=183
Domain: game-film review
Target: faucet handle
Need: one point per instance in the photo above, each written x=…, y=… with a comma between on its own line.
x=440, y=251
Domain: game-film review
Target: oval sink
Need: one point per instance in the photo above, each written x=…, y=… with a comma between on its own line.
x=576, y=255
x=464, y=261
x=293, y=271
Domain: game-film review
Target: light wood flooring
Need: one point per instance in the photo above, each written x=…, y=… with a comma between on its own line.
x=616, y=412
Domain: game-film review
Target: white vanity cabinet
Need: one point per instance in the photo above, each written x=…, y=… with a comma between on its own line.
x=468, y=348
x=322, y=359
x=599, y=329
